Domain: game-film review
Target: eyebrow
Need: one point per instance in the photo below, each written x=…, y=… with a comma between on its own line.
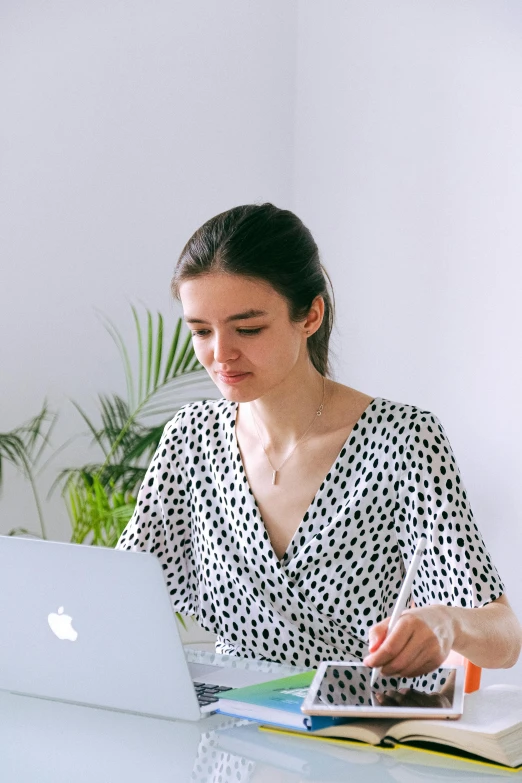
x=237, y=317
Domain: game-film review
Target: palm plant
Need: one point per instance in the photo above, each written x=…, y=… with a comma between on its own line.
x=101, y=496
x=23, y=447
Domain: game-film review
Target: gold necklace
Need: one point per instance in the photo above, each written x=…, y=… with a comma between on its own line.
x=274, y=470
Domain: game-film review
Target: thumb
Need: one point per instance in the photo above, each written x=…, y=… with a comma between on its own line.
x=377, y=635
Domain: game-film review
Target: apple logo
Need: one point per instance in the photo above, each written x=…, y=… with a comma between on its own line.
x=61, y=625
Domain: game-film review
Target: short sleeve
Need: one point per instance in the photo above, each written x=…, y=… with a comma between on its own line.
x=160, y=523
x=456, y=569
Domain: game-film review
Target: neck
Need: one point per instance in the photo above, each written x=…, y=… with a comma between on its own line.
x=285, y=412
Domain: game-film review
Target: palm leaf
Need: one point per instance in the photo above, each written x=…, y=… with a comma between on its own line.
x=97, y=437
x=22, y=531
x=179, y=359
x=12, y=449
x=185, y=348
x=36, y=433
x=120, y=344
x=150, y=335
x=97, y=513
x=24, y=446
x=159, y=350
x=140, y=352
x=172, y=351
x=168, y=371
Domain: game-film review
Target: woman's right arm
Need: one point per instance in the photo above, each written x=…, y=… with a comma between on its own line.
x=160, y=523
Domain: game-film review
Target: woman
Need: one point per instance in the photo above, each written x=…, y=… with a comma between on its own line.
x=285, y=513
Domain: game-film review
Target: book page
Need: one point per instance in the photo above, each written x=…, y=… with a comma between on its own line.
x=492, y=711
x=367, y=730
x=420, y=765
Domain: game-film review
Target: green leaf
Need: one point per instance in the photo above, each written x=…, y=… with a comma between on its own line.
x=23, y=448
x=150, y=337
x=120, y=344
x=22, y=531
x=140, y=353
x=173, y=349
x=100, y=497
x=159, y=350
x=182, y=354
x=97, y=437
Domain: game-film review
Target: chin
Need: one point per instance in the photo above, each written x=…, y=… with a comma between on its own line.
x=235, y=394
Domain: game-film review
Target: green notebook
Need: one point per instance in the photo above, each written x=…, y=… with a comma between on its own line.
x=276, y=702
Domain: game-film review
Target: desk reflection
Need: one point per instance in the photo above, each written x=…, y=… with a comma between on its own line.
x=51, y=742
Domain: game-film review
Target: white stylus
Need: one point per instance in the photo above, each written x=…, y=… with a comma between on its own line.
x=404, y=594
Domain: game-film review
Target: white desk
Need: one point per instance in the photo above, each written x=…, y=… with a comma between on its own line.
x=49, y=742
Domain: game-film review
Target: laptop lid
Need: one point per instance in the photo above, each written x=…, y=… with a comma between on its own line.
x=91, y=626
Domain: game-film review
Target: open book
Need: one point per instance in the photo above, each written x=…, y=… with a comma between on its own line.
x=490, y=728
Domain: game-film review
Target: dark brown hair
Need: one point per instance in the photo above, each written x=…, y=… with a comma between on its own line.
x=269, y=244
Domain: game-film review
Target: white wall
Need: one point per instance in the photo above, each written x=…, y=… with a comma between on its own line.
x=408, y=170
x=124, y=126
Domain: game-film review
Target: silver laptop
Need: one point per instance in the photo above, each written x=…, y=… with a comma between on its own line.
x=95, y=626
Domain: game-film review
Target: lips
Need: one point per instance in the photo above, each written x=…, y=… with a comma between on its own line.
x=232, y=377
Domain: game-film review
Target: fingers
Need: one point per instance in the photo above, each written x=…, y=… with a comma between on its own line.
x=377, y=634
x=391, y=648
x=412, y=659
x=412, y=648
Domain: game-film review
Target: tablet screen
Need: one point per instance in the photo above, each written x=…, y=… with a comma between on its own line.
x=344, y=685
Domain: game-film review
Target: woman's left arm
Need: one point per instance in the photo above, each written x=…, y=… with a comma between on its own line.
x=490, y=636
x=459, y=601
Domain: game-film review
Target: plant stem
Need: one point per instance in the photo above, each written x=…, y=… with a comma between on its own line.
x=37, y=503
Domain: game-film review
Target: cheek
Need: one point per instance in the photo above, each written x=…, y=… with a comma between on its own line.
x=286, y=350
x=201, y=353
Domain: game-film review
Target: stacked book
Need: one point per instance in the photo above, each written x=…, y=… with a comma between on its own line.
x=490, y=729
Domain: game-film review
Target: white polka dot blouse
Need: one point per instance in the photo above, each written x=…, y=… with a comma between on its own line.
x=394, y=479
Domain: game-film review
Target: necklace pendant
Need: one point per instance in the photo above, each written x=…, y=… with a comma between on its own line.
x=274, y=477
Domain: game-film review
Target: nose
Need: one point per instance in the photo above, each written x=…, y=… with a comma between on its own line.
x=224, y=348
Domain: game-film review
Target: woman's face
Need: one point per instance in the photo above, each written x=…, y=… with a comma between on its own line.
x=242, y=334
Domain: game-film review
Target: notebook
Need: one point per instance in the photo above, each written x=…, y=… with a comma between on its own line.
x=95, y=626
x=278, y=702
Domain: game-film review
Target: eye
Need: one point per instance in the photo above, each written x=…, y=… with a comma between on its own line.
x=205, y=332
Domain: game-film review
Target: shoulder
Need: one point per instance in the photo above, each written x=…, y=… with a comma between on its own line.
x=403, y=423
x=354, y=407
x=193, y=428
x=382, y=419
x=402, y=416
x=416, y=435
x=202, y=414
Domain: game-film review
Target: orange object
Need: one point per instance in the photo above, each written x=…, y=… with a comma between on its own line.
x=472, y=677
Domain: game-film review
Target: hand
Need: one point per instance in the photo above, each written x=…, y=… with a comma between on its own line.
x=419, y=643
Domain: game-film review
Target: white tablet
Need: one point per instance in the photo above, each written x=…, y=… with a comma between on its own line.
x=341, y=689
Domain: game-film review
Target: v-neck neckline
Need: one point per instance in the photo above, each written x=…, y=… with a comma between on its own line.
x=264, y=533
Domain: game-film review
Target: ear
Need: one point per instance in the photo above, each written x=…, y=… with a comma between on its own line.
x=315, y=316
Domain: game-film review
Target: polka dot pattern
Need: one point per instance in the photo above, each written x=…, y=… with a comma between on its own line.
x=394, y=479
x=214, y=765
